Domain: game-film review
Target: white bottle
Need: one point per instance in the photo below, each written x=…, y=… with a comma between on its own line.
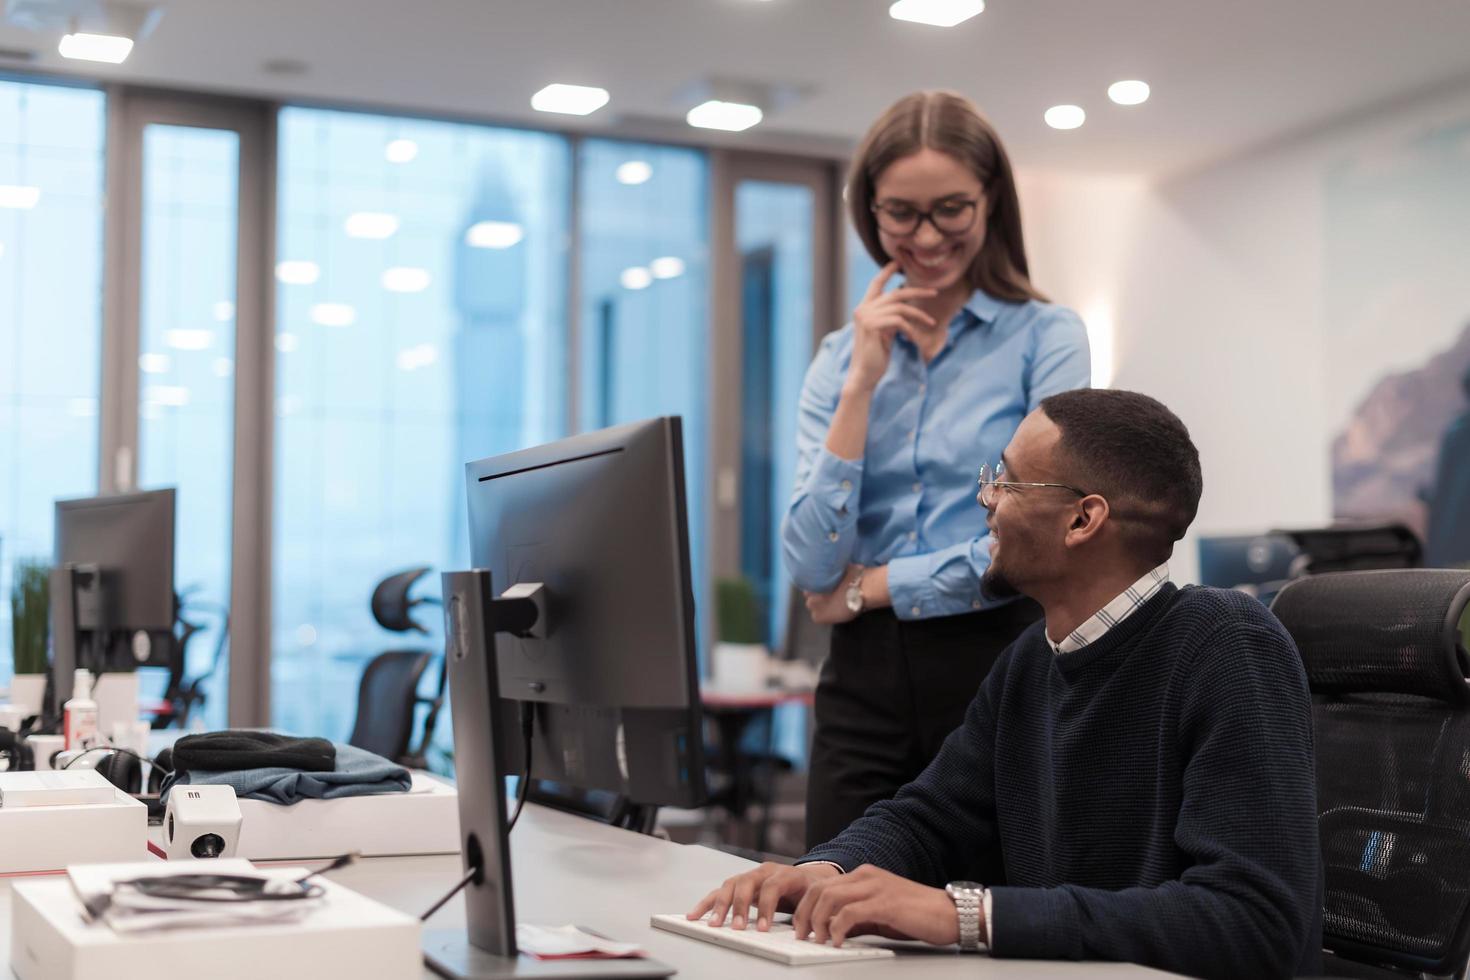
x=80, y=713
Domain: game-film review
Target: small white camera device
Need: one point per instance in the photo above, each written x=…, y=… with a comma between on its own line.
x=201, y=822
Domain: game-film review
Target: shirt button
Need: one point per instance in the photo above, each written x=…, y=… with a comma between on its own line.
x=918, y=488
x=923, y=386
x=847, y=484
x=913, y=535
x=833, y=535
x=975, y=604
x=915, y=610
x=911, y=435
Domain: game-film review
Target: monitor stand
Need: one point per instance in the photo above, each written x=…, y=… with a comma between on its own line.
x=486, y=948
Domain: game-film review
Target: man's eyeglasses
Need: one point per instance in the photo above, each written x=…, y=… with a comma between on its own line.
x=991, y=481
x=954, y=216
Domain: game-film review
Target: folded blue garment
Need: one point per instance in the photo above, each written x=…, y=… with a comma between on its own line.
x=358, y=773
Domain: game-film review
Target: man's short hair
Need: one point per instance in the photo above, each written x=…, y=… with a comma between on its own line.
x=1136, y=453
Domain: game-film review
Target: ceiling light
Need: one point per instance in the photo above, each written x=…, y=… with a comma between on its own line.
x=413, y=358
x=668, y=267
x=108, y=48
x=938, y=13
x=333, y=314
x=405, y=279
x=19, y=196
x=401, y=151
x=730, y=116
x=634, y=172
x=1131, y=92
x=636, y=278
x=189, y=339
x=370, y=224
x=298, y=272
x=493, y=234
x=175, y=396
x=287, y=343
x=154, y=363
x=573, y=100
x=223, y=310
x=1065, y=116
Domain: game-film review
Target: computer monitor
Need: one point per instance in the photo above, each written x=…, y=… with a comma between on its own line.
x=112, y=585
x=1229, y=561
x=579, y=617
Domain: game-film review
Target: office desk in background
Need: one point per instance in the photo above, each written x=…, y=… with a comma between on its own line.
x=570, y=870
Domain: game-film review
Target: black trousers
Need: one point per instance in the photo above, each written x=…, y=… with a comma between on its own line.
x=889, y=693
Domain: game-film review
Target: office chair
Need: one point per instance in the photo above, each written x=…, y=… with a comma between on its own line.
x=388, y=694
x=1386, y=662
x=1356, y=547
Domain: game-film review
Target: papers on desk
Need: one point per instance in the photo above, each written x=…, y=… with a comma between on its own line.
x=569, y=942
x=109, y=895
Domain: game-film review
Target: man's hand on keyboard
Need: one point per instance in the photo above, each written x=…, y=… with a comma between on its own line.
x=873, y=901
x=771, y=887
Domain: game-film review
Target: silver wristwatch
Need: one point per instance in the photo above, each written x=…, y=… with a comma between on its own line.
x=855, y=593
x=969, y=904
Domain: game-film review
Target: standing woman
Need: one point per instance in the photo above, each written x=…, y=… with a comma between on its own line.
x=899, y=410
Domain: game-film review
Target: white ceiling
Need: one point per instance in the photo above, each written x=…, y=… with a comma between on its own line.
x=1226, y=74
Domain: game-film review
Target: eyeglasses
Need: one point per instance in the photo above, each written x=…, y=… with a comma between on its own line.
x=953, y=216
x=990, y=482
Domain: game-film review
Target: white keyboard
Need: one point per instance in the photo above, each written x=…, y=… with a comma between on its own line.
x=779, y=944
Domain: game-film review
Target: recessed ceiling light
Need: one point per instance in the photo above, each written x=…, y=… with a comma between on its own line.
x=420, y=355
x=370, y=224
x=573, y=100
x=401, y=151
x=636, y=278
x=108, y=48
x=1065, y=116
x=333, y=314
x=1131, y=92
x=493, y=234
x=405, y=279
x=174, y=396
x=668, y=267
x=729, y=116
x=19, y=196
x=298, y=272
x=189, y=339
x=634, y=172
x=938, y=13
x=155, y=363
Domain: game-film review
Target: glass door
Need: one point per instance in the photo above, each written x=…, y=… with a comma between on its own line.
x=189, y=272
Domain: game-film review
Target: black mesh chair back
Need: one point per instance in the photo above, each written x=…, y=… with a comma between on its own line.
x=1386, y=662
x=386, y=701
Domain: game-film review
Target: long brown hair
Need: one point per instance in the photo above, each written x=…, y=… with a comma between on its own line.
x=950, y=123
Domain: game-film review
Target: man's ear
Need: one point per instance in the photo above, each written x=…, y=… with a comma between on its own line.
x=1088, y=519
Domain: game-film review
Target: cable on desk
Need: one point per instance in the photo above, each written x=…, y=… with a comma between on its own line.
x=469, y=877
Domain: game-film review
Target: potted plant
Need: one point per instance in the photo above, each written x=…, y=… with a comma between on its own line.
x=741, y=660
x=30, y=610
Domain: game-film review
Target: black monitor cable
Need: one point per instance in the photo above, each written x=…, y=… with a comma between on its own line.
x=528, y=733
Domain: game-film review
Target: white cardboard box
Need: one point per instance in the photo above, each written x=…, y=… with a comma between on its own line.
x=48, y=838
x=348, y=936
x=424, y=820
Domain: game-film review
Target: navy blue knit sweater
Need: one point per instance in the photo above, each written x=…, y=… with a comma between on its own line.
x=1150, y=797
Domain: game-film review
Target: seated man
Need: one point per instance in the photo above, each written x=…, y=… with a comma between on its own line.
x=1135, y=776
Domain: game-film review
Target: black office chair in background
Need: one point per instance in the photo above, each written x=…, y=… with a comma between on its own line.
x=1386, y=662
x=388, y=696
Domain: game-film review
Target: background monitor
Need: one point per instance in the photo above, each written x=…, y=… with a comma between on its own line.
x=1229, y=561
x=611, y=679
x=114, y=560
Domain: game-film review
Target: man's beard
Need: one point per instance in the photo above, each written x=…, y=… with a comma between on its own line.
x=995, y=585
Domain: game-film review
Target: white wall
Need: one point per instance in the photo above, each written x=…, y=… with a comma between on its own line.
x=1214, y=285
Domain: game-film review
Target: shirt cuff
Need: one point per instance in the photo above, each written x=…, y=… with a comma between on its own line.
x=836, y=482
x=911, y=587
x=986, y=939
x=831, y=864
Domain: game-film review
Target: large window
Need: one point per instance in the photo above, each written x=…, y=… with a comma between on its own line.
x=644, y=288
x=51, y=188
x=420, y=323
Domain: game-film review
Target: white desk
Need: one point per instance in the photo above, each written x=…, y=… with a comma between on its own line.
x=568, y=869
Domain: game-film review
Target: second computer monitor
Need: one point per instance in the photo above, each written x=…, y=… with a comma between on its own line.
x=600, y=521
